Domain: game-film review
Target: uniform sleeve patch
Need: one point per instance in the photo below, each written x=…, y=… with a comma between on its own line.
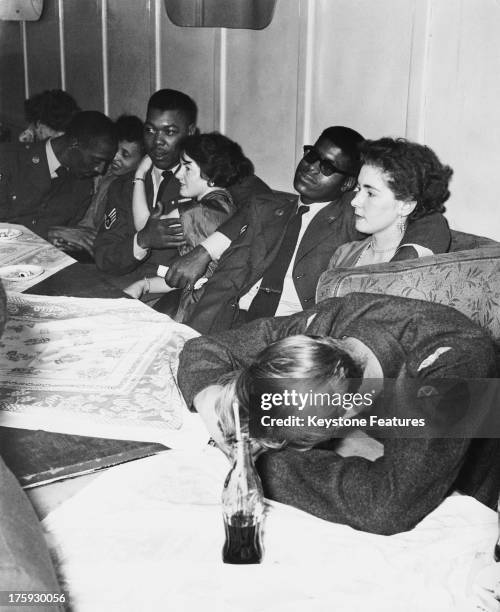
x=432, y=358
x=110, y=218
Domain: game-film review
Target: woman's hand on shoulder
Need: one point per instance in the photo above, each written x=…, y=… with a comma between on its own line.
x=143, y=167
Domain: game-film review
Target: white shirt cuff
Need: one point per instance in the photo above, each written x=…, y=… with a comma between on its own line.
x=216, y=244
x=139, y=252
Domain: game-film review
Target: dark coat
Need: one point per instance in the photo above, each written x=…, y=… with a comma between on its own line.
x=256, y=239
x=251, y=253
x=114, y=252
x=394, y=492
x=27, y=196
x=114, y=244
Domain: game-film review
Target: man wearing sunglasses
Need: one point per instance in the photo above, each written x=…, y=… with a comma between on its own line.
x=272, y=254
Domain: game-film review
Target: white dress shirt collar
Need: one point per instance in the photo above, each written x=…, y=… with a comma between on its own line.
x=52, y=161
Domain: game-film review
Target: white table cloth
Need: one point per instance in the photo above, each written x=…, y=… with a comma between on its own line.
x=30, y=249
x=148, y=536
x=95, y=367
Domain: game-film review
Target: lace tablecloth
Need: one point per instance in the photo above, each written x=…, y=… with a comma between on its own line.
x=96, y=367
x=30, y=249
x=148, y=536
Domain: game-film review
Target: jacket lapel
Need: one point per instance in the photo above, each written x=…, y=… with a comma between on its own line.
x=36, y=168
x=148, y=186
x=265, y=244
x=319, y=230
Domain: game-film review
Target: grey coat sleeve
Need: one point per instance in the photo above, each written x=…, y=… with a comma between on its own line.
x=393, y=493
x=205, y=359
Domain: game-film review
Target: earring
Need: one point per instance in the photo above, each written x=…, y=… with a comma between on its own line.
x=211, y=183
x=401, y=224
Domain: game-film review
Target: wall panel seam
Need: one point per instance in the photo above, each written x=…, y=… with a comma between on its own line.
x=24, y=44
x=105, y=69
x=62, y=53
x=223, y=81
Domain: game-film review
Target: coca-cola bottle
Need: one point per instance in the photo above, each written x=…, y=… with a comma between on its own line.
x=242, y=508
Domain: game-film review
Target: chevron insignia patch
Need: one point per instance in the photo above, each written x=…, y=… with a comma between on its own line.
x=110, y=218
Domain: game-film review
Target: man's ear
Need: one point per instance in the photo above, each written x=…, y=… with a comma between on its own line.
x=192, y=129
x=348, y=184
x=73, y=143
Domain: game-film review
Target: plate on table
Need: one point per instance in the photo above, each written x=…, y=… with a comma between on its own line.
x=7, y=233
x=20, y=272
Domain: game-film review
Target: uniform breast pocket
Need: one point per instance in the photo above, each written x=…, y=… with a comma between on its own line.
x=8, y=201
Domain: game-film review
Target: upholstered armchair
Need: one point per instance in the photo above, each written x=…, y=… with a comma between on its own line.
x=468, y=280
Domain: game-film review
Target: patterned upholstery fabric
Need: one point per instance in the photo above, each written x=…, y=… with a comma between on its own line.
x=466, y=280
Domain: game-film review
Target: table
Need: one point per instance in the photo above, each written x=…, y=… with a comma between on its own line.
x=29, y=249
x=148, y=535
x=38, y=457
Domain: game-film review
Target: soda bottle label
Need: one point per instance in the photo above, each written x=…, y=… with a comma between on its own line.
x=243, y=542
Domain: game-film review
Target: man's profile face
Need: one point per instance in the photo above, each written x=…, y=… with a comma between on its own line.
x=163, y=135
x=91, y=159
x=312, y=184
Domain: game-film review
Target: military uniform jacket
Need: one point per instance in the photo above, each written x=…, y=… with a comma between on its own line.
x=260, y=235
x=114, y=245
x=251, y=253
x=27, y=196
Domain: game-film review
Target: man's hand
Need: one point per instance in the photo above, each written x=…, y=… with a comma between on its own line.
x=71, y=238
x=161, y=233
x=186, y=270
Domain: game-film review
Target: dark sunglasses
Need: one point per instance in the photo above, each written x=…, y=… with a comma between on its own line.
x=311, y=156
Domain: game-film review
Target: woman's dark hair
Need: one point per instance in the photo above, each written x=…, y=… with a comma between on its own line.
x=413, y=172
x=129, y=128
x=54, y=108
x=221, y=160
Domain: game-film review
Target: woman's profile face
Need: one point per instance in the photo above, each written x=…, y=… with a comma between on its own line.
x=127, y=157
x=376, y=208
x=189, y=175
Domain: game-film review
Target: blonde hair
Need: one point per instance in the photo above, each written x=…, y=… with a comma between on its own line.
x=318, y=360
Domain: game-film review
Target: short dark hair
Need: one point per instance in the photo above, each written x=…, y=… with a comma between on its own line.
x=221, y=160
x=348, y=141
x=171, y=99
x=91, y=125
x=129, y=128
x=413, y=172
x=53, y=107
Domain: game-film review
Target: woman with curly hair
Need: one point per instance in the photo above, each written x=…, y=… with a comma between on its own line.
x=399, y=182
x=47, y=114
x=209, y=163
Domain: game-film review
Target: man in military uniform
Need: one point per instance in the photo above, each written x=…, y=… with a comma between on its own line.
x=121, y=250
x=51, y=183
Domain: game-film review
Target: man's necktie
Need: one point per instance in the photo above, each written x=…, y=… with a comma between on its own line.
x=167, y=177
x=62, y=174
x=58, y=181
x=268, y=297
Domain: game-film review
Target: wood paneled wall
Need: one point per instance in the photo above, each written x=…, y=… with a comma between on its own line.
x=425, y=69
